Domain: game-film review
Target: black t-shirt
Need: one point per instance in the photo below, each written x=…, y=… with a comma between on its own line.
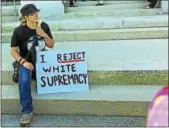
x=23, y=38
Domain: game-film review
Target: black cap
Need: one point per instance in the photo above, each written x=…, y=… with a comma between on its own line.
x=28, y=9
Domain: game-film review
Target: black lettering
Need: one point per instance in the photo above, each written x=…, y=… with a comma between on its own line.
x=59, y=57
x=43, y=61
x=50, y=81
x=55, y=79
x=71, y=56
x=65, y=56
x=80, y=75
x=60, y=80
x=78, y=55
x=73, y=68
x=76, y=78
x=85, y=78
x=83, y=54
x=47, y=70
x=70, y=78
x=44, y=83
x=62, y=66
x=56, y=69
x=74, y=56
x=68, y=67
x=65, y=80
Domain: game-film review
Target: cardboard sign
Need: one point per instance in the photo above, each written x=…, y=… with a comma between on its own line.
x=61, y=71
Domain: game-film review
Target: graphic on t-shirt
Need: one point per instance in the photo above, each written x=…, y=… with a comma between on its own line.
x=39, y=47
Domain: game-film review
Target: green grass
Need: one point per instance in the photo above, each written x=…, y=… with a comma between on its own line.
x=116, y=77
x=129, y=77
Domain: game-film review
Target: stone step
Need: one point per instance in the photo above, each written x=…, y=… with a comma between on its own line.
x=102, y=100
x=102, y=35
x=123, y=62
x=112, y=13
x=9, y=19
x=116, y=13
x=99, y=23
x=10, y=10
x=107, y=2
x=135, y=5
x=118, y=55
x=13, y=10
x=76, y=121
x=86, y=6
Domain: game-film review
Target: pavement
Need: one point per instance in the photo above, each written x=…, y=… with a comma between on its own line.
x=76, y=121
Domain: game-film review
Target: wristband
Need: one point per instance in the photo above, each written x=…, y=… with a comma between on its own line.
x=23, y=62
x=20, y=60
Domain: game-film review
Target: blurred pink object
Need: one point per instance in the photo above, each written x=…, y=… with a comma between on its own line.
x=158, y=110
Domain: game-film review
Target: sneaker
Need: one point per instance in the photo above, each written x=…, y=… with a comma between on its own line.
x=100, y=2
x=26, y=119
x=147, y=7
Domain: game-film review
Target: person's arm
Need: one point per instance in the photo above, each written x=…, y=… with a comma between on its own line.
x=14, y=49
x=15, y=53
x=49, y=41
x=22, y=61
x=46, y=34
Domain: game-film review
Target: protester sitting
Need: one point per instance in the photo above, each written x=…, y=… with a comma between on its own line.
x=23, y=39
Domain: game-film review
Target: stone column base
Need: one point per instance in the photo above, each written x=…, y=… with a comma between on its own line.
x=164, y=6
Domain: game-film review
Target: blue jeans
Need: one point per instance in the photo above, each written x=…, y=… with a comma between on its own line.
x=25, y=77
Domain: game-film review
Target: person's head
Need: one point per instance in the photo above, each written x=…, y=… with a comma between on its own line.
x=29, y=13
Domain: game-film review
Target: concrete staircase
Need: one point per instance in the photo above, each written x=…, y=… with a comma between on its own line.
x=127, y=59
x=88, y=9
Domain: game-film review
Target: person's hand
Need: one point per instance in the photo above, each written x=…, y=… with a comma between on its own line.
x=28, y=65
x=40, y=32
